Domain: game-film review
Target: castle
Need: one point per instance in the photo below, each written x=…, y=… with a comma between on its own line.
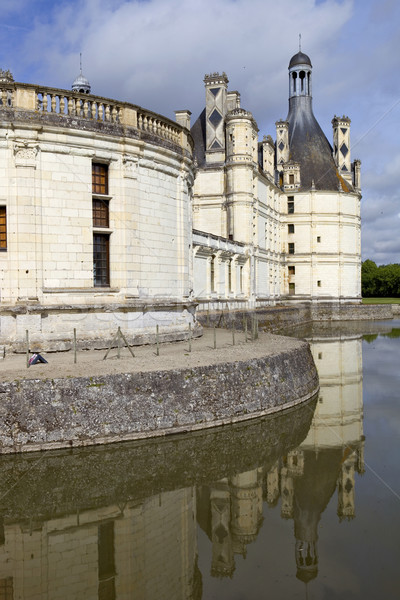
x=282, y=219
x=114, y=216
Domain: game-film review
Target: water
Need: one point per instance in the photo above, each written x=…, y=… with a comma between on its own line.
x=302, y=505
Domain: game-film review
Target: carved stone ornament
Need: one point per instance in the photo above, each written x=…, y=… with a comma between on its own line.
x=25, y=154
x=6, y=76
x=130, y=166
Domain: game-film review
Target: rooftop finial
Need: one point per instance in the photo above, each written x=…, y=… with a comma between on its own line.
x=81, y=84
x=299, y=42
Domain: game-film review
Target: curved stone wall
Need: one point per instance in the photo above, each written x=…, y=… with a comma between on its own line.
x=36, y=414
x=88, y=251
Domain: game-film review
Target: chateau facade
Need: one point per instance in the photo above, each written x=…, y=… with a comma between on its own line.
x=113, y=216
x=284, y=216
x=95, y=214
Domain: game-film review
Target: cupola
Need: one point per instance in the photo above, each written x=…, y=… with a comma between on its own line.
x=81, y=84
x=300, y=69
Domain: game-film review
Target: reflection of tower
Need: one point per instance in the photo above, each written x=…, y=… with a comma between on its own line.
x=312, y=493
x=223, y=563
x=346, y=506
x=331, y=453
x=246, y=498
x=293, y=467
x=272, y=484
x=230, y=512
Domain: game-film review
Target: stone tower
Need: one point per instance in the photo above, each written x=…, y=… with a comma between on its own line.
x=321, y=215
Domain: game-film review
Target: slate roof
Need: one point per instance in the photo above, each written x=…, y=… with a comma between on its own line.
x=198, y=131
x=309, y=146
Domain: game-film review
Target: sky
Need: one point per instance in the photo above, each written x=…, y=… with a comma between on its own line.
x=155, y=53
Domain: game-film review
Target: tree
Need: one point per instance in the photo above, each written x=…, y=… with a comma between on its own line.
x=368, y=278
x=382, y=281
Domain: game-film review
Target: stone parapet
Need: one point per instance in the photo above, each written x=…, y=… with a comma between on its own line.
x=67, y=105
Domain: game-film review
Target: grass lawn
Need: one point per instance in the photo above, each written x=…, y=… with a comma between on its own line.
x=381, y=301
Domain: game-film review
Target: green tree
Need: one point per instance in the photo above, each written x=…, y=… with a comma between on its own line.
x=380, y=282
x=368, y=278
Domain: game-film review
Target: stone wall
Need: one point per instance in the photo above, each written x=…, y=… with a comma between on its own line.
x=90, y=257
x=36, y=414
x=275, y=318
x=396, y=309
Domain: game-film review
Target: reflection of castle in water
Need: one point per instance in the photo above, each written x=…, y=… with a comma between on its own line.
x=305, y=478
x=104, y=523
x=120, y=522
x=148, y=547
x=331, y=453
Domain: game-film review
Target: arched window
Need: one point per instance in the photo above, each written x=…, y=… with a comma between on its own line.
x=302, y=77
x=294, y=82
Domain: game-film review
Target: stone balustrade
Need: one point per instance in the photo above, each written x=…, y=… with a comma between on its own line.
x=72, y=104
x=67, y=104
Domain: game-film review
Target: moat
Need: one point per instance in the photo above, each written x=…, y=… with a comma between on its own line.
x=303, y=504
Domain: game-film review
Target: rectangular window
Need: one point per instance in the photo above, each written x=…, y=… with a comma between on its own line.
x=290, y=228
x=99, y=178
x=101, y=259
x=290, y=205
x=3, y=228
x=319, y=239
x=291, y=179
x=292, y=289
x=100, y=213
x=291, y=248
x=292, y=270
x=319, y=283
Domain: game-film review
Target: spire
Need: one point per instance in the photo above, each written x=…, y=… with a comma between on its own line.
x=308, y=145
x=81, y=84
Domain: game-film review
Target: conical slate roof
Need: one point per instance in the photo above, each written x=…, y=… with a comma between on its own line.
x=310, y=147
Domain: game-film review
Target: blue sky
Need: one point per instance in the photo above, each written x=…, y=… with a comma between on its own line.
x=155, y=53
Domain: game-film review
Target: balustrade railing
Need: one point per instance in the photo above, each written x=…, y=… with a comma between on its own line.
x=6, y=96
x=75, y=105
x=66, y=103
x=147, y=121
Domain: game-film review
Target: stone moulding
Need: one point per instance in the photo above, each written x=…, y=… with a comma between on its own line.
x=61, y=413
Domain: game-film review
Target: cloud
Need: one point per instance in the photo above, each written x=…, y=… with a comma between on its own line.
x=156, y=52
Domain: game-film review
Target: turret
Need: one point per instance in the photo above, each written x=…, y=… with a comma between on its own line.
x=282, y=143
x=216, y=109
x=241, y=159
x=267, y=148
x=341, y=146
